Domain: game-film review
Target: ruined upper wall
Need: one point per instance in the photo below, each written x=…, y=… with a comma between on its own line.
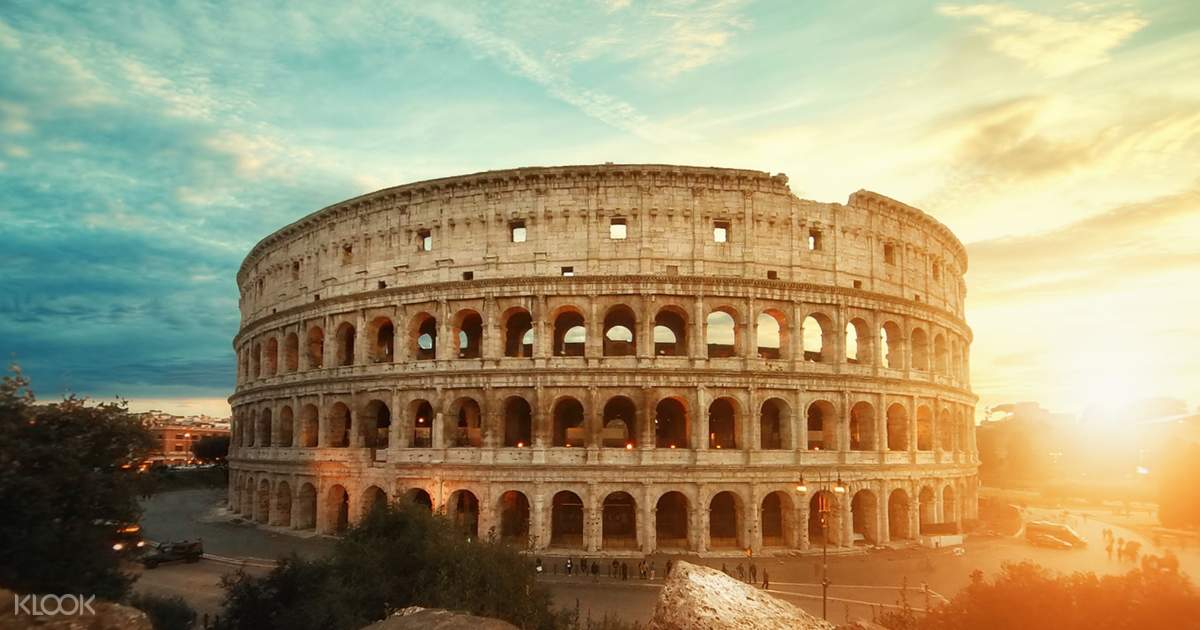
x=871, y=243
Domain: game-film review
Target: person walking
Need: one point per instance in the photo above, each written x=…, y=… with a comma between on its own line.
x=766, y=580
x=568, y=566
x=741, y=570
x=595, y=571
x=652, y=570
x=624, y=571
x=667, y=572
x=753, y=573
x=724, y=569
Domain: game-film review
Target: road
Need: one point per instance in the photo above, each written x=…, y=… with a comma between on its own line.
x=862, y=583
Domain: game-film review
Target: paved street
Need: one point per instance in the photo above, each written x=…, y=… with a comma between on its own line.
x=861, y=581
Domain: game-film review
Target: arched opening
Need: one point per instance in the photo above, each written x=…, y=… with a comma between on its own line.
x=383, y=340
x=264, y=429
x=671, y=424
x=256, y=360
x=286, y=426
x=251, y=428
x=619, y=522
x=377, y=424
x=463, y=510
x=822, y=426
x=566, y=520
x=898, y=515
x=419, y=497
x=920, y=349
x=940, y=356
x=309, y=426
x=262, y=511
x=722, y=424
x=373, y=498
x=568, y=423
x=964, y=432
x=864, y=514
x=306, y=507
x=569, y=334
x=344, y=337
x=468, y=427
x=248, y=502
x=619, y=339
x=774, y=424
x=514, y=519
x=291, y=352
x=926, y=509
x=725, y=521
x=272, y=357
x=776, y=520
x=421, y=413
x=670, y=333
x=772, y=334
x=517, y=324
x=424, y=337
x=956, y=360
x=924, y=429
x=892, y=348
x=818, y=339
x=897, y=428
x=518, y=423
x=338, y=420
x=316, y=347
x=620, y=423
x=337, y=505
x=823, y=518
x=858, y=341
x=671, y=521
x=468, y=329
x=720, y=334
x=943, y=434
x=949, y=507
x=862, y=427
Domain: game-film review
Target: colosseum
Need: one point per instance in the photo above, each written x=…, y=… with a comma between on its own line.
x=610, y=359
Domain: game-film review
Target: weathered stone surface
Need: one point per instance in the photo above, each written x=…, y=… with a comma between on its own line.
x=417, y=618
x=700, y=598
x=109, y=616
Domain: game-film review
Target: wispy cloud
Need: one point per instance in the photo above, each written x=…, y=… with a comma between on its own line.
x=1081, y=37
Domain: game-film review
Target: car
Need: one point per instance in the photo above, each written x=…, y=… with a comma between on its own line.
x=125, y=538
x=1046, y=540
x=188, y=551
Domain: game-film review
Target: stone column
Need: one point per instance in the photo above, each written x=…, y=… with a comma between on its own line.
x=592, y=534
x=752, y=424
x=698, y=348
x=541, y=336
x=750, y=324
x=445, y=348
x=646, y=521
x=593, y=345
x=362, y=340
x=539, y=525
x=490, y=347
x=322, y=424
x=881, y=509
x=754, y=521
x=700, y=415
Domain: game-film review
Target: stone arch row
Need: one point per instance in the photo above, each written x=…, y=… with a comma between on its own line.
x=667, y=331
x=664, y=517
x=575, y=418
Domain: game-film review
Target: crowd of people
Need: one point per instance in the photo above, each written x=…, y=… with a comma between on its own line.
x=642, y=570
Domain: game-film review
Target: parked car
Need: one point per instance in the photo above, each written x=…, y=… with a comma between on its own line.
x=1063, y=533
x=1046, y=540
x=187, y=550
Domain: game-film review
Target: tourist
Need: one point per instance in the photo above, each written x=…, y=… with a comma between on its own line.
x=724, y=569
x=753, y=573
x=537, y=565
x=595, y=571
x=741, y=572
x=766, y=580
x=624, y=571
x=652, y=570
x=667, y=573
x=568, y=566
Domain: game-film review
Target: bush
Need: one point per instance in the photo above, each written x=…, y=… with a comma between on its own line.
x=166, y=613
x=397, y=556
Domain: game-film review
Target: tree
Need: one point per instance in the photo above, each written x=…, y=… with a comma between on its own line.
x=66, y=482
x=1178, y=501
x=1026, y=596
x=211, y=448
x=398, y=556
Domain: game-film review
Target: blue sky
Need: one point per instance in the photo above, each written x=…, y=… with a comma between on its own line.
x=144, y=149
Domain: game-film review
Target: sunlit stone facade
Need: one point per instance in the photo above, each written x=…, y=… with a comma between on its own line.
x=610, y=358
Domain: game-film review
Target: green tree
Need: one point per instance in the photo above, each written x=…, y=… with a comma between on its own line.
x=1026, y=596
x=66, y=481
x=211, y=448
x=398, y=556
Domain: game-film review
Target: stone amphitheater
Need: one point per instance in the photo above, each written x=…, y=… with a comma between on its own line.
x=611, y=359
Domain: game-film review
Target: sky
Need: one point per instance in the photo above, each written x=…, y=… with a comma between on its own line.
x=145, y=147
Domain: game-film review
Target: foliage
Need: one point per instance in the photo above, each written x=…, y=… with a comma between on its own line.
x=66, y=483
x=166, y=613
x=1178, y=501
x=397, y=556
x=211, y=448
x=1026, y=596
x=167, y=479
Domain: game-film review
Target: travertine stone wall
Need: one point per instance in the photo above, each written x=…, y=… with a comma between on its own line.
x=574, y=358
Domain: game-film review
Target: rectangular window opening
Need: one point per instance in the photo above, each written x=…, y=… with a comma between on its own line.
x=424, y=241
x=721, y=232
x=468, y=275
x=672, y=270
x=618, y=230
x=296, y=270
x=889, y=253
x=518, y=232
x=858, y=284
x=568, y=271
x=382, y=284
x=347, y=254
x=814, y=240
x=772, y=275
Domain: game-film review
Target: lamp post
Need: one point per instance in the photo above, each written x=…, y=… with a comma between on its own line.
x=823, y=508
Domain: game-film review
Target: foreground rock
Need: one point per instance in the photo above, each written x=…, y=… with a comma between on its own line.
x=109, y=616
x=417, y=618
x=700, y=598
